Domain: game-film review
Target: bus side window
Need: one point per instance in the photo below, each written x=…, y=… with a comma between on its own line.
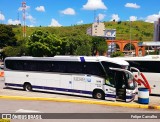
x=8, y=64
x=44, y=66
x=60, y=66
x=33, y=66
x=74, y=67
x=93, y=68
x=14, y=65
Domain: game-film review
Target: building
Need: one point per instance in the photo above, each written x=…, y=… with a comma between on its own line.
x=157, y=30
x=110, y=34
x=97, y=29
x=151, y=46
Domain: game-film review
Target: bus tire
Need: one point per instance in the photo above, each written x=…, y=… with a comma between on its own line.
x=99, y=94
x=27, y=87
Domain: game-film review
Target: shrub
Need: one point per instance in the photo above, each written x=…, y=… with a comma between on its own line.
x=117, y=54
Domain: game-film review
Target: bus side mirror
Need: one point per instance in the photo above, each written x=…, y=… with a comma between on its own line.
x=135, y=69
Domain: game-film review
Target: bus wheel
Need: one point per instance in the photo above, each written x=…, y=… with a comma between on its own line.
x=99, y=95
x=27, y=87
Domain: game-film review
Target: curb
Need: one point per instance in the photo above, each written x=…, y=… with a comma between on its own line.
x=109, y=103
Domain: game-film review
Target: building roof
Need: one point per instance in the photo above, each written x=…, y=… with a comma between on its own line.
x=149, y=44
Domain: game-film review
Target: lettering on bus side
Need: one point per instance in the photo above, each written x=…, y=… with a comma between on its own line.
x=98, y=81
x=79, y=79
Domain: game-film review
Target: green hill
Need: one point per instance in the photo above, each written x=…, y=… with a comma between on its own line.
x=140, y=30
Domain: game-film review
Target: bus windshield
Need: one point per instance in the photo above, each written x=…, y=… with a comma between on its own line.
x=118, y=77
x=130, y=81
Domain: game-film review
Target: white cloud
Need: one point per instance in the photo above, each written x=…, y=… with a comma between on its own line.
x=13, y=22
x=2, y=17
x=55, y=23
x=132, y=5
x=80, y=22
x=40, y=8
x=27, y=8
x=152, y=18
x=30, y=18
x=94, y=5
x=132, y=18
x=115, y=17
x=69, y=11
x=101, y=16
x=31, y=25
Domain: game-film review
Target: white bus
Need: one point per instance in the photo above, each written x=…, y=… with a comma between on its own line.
x=98, y=77
x=150, y=66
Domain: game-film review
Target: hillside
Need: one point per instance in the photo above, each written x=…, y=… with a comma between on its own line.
x=140, y=30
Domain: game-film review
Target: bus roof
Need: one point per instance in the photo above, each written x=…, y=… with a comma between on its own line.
x=145, y=58
x=72, y=58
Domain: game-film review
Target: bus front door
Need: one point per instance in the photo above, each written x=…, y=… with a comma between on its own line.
x=110, y=89
x=116, y=85
x=125, y=85
x=120, y=85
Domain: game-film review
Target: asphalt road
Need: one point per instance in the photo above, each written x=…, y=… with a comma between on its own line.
x=19, y=106
x=12, y=106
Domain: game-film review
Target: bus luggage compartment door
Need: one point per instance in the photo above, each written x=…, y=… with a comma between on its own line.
x=66, y=84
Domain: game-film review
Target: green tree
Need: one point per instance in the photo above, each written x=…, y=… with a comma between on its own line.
x=18, y=50
x=83, y=50
x=102, y=47
x=7, y=36
x=44, y=44
x=99, y=45
x=11, y=51
x=76, y=41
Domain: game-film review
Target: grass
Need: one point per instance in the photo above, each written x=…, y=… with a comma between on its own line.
x=139, y=30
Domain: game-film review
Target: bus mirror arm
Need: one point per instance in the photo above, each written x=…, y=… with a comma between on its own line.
x=123, y=70
x=133, y=68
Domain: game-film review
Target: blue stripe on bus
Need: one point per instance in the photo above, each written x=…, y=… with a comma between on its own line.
x=129, y=97
x=65, y=90
x=52, y=88
x=82, y=59
x=11, y=84
x=62, y=89
x=114, y=96
x=110, y=95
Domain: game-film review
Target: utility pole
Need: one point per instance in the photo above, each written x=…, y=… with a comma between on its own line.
x=94, y=16
x=130, y=36
x=24, y=18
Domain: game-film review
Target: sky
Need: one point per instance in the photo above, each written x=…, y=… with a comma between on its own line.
x=76, y=12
